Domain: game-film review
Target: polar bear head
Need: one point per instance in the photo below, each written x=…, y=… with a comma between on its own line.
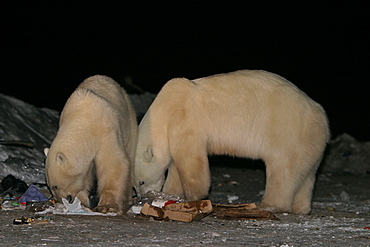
x=149, y=173
x=152, y=153
x=65, y=179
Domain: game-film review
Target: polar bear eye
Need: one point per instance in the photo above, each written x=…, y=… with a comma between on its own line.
x=141, y=182
x=54, y=187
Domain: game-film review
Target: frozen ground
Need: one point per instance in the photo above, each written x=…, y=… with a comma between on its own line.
x=335, y=220
x=340, y=215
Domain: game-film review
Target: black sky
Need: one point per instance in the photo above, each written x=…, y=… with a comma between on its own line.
x=321, y=46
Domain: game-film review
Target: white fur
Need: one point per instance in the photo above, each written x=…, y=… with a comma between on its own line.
x=97, y=133
x=254, y=114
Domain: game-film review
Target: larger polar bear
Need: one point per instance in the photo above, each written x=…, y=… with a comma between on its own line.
x=247, y=113
x=97, y=136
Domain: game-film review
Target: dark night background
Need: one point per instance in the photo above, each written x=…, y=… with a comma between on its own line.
x=321, y=46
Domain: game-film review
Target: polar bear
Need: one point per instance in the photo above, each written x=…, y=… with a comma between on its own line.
x=97, y=137
x=247, y=113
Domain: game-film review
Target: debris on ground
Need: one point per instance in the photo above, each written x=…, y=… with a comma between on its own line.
x=32, y=220
x=13, y=186
x=158, y=198
x=15, y=194
x=162, y=206
x=33, y=194
x=183, y=211
x=74, y=208
x=241, y=211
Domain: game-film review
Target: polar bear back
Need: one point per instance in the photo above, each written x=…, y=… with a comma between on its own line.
x=108, y=90
x=104, y=99
x=118, y=99
x=258, y=106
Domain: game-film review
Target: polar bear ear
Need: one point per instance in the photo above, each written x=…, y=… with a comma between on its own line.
x=46, y=151
x=148, y=154
x=60, y=158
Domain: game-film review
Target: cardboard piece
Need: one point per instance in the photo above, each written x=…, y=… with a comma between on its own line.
x=185, y=211
x=241, y=211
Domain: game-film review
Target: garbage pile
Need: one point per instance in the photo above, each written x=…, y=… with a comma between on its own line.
x=162, y=206
x=16, y=195
x=345, y=154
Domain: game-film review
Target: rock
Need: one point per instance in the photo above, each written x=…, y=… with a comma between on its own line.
x=26, y=130
x=20, y=121
x=347, y=155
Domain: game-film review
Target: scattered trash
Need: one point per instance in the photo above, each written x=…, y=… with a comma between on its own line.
x=29, y=220
x=74, y=208
x=13, y=186
x=23, y=220
x=9, y=204
x=18, y=196
x=231, y=198
x=158, y=203
x=135, y=210
x=38, y=206
x=196, y=210
x=158, y=198
x=183, y=211
x=241, y=211
x=33, y=194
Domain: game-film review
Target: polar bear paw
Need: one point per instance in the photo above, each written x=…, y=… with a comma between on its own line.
x=273, y=209
x=107, y=209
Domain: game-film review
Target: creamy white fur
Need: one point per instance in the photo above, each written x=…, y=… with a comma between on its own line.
x=254, y=114
x=97, y=130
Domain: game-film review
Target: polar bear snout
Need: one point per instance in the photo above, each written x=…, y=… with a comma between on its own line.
x=148, y=185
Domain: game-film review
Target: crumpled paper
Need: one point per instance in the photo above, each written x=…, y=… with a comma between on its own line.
x=74, y=208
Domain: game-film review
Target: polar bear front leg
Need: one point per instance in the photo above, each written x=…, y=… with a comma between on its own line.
x=194, y=173
x=113, y=175
x=173, y=184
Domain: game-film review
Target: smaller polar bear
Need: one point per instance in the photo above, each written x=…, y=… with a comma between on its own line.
x=97, y=137
x=252, y=114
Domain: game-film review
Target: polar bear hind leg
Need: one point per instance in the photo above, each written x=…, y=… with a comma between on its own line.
x=280, y=186
x=302, y=199
x=289, y=183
